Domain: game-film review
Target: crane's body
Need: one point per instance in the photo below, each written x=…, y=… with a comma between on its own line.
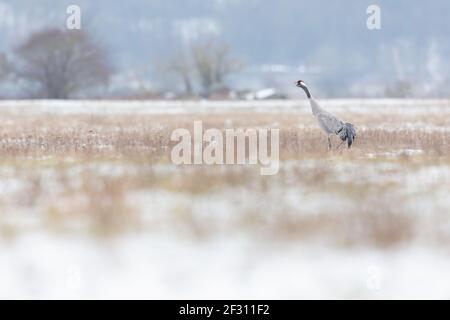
x=328, y=122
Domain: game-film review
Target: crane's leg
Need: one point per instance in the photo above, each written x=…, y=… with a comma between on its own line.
x=329, y=143
x=340, y=145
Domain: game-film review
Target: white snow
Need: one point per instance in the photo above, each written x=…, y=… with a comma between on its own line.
x=146, y=267
x=358, y=106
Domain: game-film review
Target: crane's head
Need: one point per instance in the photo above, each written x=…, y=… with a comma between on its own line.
x=300, y=84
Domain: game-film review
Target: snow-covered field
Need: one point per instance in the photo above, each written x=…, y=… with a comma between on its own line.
x=146, y=267
x=92, y=207
x=188, y=107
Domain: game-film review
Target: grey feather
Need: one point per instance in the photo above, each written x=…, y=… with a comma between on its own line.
x=347, y=133
x=329, y=123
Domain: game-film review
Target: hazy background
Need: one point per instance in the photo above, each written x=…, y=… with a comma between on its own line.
x=325, y=42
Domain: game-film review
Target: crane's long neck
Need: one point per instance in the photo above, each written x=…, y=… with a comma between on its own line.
x=315, y=108
x=308, y=94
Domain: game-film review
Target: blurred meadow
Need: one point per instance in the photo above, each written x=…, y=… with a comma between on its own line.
x=105, y=178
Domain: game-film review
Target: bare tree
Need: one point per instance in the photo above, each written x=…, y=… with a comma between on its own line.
x=62, y=63
x=213, y=63
x=205, y=65
x=181, y=66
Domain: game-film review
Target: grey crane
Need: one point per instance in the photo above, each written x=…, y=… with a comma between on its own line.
x=329, y=123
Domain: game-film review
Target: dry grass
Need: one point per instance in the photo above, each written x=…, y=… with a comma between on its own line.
x=104, y=174
x=148, y=135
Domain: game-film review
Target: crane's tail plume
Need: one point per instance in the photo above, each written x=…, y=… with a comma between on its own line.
x=347, y=133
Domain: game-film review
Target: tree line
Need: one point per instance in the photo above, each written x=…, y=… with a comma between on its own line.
x=61, y=64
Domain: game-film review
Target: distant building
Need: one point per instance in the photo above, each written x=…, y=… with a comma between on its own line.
x=265, y=94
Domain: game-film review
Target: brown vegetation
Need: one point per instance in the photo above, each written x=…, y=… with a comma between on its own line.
x=107, y=174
